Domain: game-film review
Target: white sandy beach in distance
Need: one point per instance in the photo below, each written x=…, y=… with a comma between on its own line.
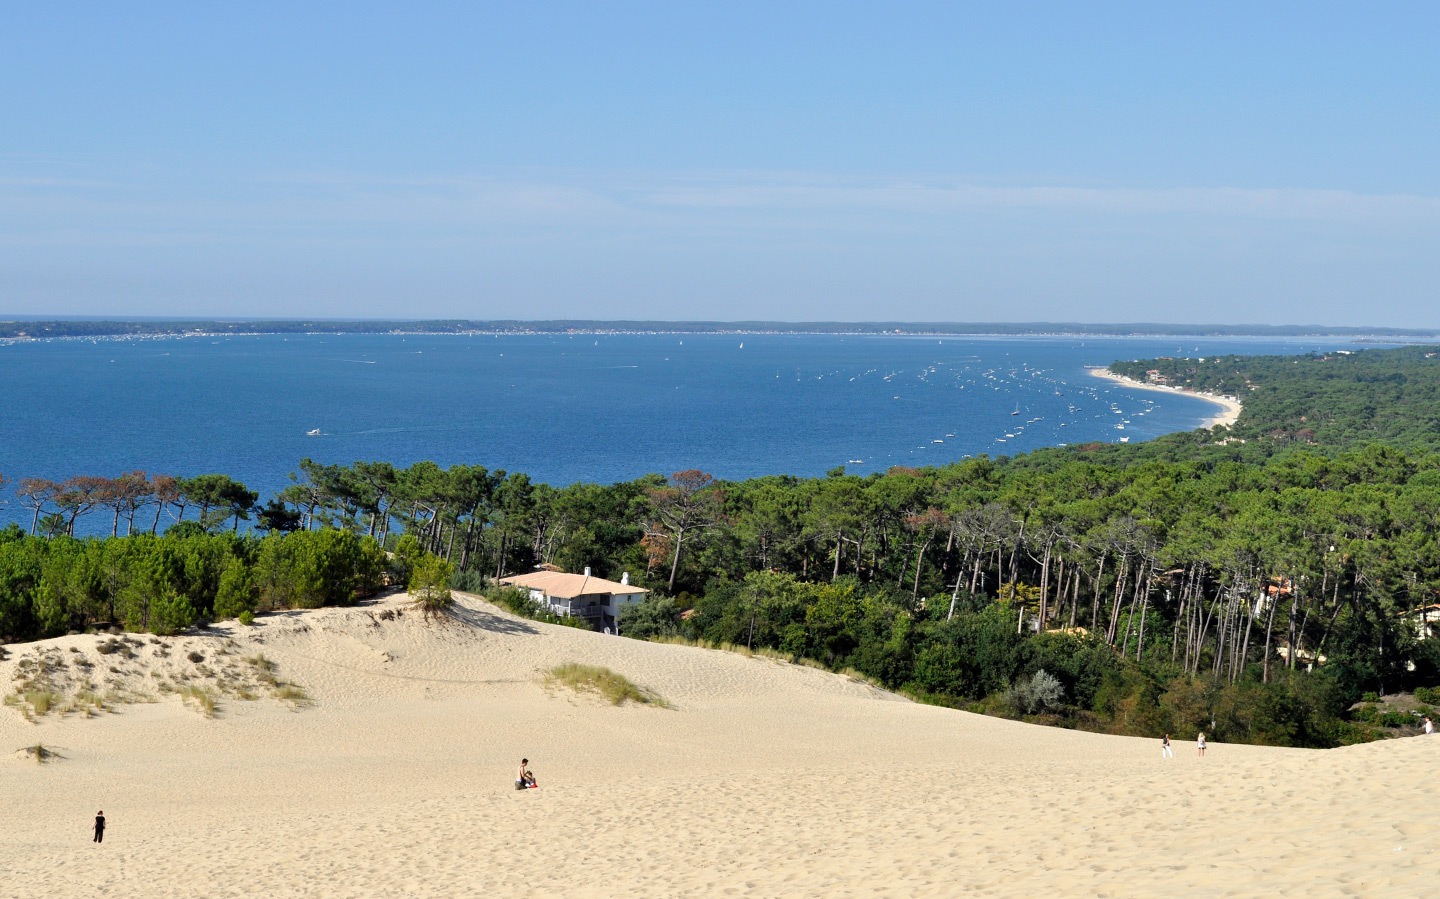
x=765, y=779
x=1229, y=406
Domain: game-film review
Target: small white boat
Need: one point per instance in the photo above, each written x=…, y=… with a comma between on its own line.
x=315, y=432
x=1124, y=439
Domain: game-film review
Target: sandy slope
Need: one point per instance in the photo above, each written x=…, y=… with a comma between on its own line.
x=765, y=780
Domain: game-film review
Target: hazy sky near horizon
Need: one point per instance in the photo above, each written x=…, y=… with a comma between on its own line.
x=1109, y=162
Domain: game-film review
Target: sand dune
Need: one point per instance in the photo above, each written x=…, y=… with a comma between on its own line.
x=765, y=779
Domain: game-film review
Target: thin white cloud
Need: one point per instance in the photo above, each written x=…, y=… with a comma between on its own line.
x=923, y=198
x=339, y=206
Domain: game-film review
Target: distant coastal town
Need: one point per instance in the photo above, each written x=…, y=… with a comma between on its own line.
x=39, y=329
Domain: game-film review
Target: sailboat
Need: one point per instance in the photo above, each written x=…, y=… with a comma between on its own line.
x=1017, y=409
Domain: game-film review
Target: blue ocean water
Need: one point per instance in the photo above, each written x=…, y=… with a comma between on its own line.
x=566, y=408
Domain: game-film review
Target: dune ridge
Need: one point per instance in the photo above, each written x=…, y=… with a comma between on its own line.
x=765, y=779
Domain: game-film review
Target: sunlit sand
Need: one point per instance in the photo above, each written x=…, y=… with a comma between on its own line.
x=765, y=779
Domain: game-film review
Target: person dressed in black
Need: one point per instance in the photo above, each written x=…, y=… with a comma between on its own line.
x=100, y=827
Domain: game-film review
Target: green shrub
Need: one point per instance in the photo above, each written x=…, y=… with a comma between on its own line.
x=1036, y=694
x=469, y=581
x=237, y=593
x=1365, y=714
x=1428, y=695
x=430, y=585
x=1369, y=696
x=171, y=613
x=1390, y=718
x=247, y=617
x=519, y=602
x=653, y=616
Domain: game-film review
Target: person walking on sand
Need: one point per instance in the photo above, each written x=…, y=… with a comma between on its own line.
x=1200, y=744
x=1165, y=751
x=100, y=826
x=1429, y=726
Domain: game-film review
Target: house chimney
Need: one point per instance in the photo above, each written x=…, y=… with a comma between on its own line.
x=625, y=578
x=587, y=570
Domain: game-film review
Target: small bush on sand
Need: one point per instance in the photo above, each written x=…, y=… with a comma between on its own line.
x=112, y=646
x=593, y=679
x=41, y=753
x=430, y=585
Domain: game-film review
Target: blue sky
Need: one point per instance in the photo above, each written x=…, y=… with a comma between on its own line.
x=1268, y=163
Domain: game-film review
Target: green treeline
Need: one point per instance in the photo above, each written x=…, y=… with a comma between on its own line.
x=1252, y=582
x=49, y=586
x=1328, y=400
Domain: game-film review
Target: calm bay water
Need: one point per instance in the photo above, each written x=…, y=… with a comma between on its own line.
x=567, y=408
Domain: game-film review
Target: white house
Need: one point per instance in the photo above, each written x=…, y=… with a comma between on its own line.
x=580, y=595
x=1425, y=621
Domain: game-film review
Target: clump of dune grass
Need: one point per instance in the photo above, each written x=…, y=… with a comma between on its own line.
x=283, y=690
x=201, y=697
x=861, y=678
x=87, y=702
x=41, y=753
x=264, y=668
x=41, y=701
x=615, y=687
x=292, y=693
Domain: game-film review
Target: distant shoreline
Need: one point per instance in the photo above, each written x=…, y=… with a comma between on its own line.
x=1230, y=407
x=41, y=329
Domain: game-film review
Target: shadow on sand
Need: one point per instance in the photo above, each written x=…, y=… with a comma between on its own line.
x=486, y=620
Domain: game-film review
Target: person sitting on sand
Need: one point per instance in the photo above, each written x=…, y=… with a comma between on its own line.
x=525, y=780
x=1200, y=744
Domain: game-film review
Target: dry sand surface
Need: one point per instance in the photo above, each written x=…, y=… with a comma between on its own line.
x=1230, y=407
x=765, y=779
